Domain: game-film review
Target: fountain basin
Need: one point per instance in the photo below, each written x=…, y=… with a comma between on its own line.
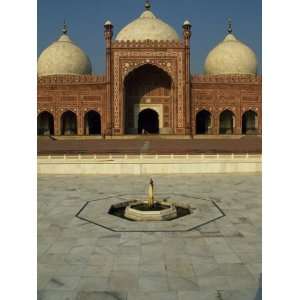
x=138, y=210
x=159, y=212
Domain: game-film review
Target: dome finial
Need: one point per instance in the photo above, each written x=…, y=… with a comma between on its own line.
x=147, y=5
x=229, y=25
x=65, y=28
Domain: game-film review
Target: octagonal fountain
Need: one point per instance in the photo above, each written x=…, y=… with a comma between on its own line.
x=150, y=209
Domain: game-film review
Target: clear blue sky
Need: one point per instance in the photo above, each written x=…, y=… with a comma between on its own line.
x=85, y=20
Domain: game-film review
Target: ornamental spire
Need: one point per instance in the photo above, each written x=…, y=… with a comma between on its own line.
x=147, y=5
x=65, y=28
x=229, y=25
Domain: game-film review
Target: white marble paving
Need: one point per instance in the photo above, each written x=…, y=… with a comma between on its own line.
x=81, y=261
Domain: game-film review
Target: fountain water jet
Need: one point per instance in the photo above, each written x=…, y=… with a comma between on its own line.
x=151, y=209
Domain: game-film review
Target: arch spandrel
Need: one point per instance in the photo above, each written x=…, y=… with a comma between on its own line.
x=168, y=67
x=41, y=111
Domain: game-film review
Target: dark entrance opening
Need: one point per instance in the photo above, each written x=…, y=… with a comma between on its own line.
x=249, y=121
x=68, y=123
x=92, y=123
x=147, y=84
x=226, y=122
x=203, y=122
x=45, y=124
x=148, y=122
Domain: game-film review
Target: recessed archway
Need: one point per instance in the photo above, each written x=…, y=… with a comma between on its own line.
x=226, y=122
x=92, y=121
x=45, y=123
x=68, y=123
x=148, y=122
x=203, y=122
x=249, y=122
x=147, y=87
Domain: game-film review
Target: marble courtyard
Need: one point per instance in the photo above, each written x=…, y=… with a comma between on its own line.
x=215, y=260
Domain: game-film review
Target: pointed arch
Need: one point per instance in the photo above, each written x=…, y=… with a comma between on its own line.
x=249, y=122
x=68, y=123
x=203, y=122
x=148, y=122
x=45, y=123
x=227, y=122
x=92, y=122
x=148, y=86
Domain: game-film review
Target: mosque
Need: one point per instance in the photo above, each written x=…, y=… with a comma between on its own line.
x=148, y=87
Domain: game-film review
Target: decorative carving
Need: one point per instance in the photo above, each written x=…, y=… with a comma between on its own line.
x=238, y=78
x=147, y=44
x=127, y=61
x=71, y=79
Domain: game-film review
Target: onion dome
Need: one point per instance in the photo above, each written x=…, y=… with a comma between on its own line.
x=231, y=56
x=63, y=57
x=147, y=27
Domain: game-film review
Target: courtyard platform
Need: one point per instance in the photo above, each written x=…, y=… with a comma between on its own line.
x=150, y=145
x=78, y=260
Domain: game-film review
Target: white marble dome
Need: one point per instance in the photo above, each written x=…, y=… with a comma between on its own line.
x=147, y=27
x=231, y=56
x=63, y=57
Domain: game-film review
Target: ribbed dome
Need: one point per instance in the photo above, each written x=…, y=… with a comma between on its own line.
x=147, y=27
x=63, y=57
x=230, y=57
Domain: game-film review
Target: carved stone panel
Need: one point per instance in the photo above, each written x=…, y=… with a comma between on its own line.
x=126, y=61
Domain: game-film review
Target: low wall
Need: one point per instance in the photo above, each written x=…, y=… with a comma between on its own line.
x=149, y=164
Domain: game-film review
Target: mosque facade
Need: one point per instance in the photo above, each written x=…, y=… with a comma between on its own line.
x=148, y=87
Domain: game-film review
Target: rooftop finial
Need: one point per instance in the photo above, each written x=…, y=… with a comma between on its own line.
x=229, y=26
x=65, y=28
x=147, y=5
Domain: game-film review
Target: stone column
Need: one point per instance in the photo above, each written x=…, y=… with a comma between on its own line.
x=80, y=129
x=215, y=123
x=237, y=125
x=108, y=34
x=187, y=33
x=57, y=124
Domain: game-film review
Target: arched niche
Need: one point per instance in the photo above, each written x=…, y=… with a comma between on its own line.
x=249, y=122
x=203, y=122
x=148, y=87
x=227, y=122
x=68, y=123
x=92, y=122
x=45, y=123
x=148, y=122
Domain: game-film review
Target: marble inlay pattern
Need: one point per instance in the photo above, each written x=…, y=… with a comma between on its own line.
x=203, y=212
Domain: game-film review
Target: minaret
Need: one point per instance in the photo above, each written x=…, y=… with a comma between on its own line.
x=187, y=33
x=108, y=34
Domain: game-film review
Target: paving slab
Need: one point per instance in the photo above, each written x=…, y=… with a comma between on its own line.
x=78, y=260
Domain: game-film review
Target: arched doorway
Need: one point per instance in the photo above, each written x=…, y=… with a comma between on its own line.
x=203, y=122
x=92, y=121
x=68, y=123
x=148, y=122
x=148, y=87
x=45, y=124
x=226, y=122
x=249, y=122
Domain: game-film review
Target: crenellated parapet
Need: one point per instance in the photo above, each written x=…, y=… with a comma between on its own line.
x=229, y=79
x=147, y=44
x=71, y=79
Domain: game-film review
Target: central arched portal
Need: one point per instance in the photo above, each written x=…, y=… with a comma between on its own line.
x=148, y=122
x=148, y=101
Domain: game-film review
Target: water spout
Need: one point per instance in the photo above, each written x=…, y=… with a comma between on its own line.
x=151, y=193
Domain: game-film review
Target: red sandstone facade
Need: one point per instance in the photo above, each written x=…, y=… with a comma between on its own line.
x=151, y=78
